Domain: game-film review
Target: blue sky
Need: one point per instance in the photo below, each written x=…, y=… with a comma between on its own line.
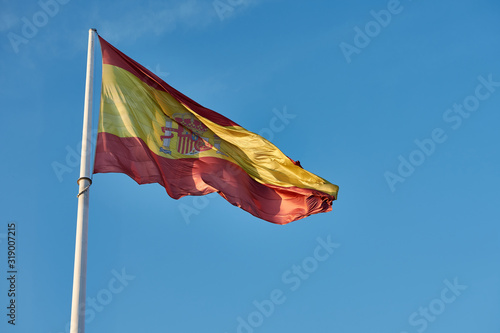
x=395, y=102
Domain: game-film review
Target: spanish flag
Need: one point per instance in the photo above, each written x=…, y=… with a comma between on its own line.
x=155, y=134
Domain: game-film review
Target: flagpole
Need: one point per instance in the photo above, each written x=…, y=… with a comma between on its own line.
x=80, y=271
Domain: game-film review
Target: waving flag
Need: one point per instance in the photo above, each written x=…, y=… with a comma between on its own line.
x=155, y=134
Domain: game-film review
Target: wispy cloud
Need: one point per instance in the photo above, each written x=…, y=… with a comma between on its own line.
x=7, y=18
x=7, y=21
x=128, y=21
x=132, y=21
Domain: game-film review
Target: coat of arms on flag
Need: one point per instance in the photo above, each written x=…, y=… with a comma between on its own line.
x=187, y=135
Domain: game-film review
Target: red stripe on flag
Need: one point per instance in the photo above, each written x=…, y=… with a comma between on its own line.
x=199, y=176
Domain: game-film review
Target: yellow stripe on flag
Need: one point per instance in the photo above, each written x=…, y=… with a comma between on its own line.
x=131, y=108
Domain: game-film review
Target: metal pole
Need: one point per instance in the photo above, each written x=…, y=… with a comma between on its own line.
x=80, y=272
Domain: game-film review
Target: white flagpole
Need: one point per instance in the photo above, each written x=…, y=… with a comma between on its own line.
x=80, y=272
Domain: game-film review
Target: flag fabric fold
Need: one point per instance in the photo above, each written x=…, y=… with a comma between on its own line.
x=155, y=134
